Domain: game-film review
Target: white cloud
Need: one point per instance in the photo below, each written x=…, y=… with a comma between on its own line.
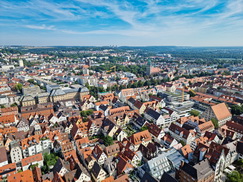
x=40, y=27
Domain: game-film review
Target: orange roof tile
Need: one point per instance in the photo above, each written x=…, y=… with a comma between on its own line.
x=30, y=159
x=221, y=111
x=25, y=176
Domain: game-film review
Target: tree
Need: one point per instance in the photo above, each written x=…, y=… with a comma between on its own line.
x=31, y=81
x=108, y=140
x=182, y=143
x=194, y=112
x=235, y=176
x=143, y=128
x=226, y=73
x=49, y=161
x=14, y=105
x=18, y=87
x=86, y=113
x=236, y=110
x=215, y=123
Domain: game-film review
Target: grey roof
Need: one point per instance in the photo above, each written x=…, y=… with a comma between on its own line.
x=167, y=178
x=132, y=100
x=175, y=157
x=140, y=121
x=239, y=147
x=81, y=169
x=57, y=92
x=152, y=113
x=148, y=178
x=44, y=94
x=59, y=164
x=96, y=169
x=84, y=89
x=157, y=166
x=198, y=171
x=71, y=90
x=27, y=98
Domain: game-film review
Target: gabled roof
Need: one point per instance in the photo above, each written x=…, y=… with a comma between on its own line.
x=137, y=138
x=138, y=104
x=60, y=164
x=198, y=171
x=122, y=165
x=3, y=156
x=239, y=147
x=25, y=176
x=152, y=113
x=30, y=159
x=153, y=129
x=167, y=178
x=96, y=169
x=221, y=111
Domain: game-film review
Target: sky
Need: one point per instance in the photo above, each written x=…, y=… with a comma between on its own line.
x=121, y=22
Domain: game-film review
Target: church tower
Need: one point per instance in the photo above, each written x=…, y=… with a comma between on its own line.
x=149, y=68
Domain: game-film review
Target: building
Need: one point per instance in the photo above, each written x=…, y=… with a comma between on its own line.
x=219, y=112
x=15, y=152
x=3, y=157
x=150, y=69
x=202, y=171
x=157, y=166
x=21, y=63
x=25, y=176
x=31, y=90
x=143, y=137
x=32, y=160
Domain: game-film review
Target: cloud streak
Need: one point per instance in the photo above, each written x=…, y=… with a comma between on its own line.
x=155, y=19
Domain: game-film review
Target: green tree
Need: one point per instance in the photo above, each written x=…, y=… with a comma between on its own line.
x=14, y=105
x=235, y=176
x=108, y=140
x=226, y=73
x=194, y=112
x=182, y=143
x=31, y=81
x=49, y=161
x=143, y=128
x=18, y=87
x=236, y=110
x=86, y=113
x=215, y=122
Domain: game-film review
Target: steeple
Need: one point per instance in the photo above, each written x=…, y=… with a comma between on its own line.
x=149, y=67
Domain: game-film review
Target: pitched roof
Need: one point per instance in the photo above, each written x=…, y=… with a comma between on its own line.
x=30, y=159
x=25, y=176
x=112, y=149
x=137, y=138
x=185, y=150
x=239, y=147
x=154, y=129
x=167, y=178
x=96, y=169
x=152, y=113
x=3, y=156
x=221, y=111
x=198, y=171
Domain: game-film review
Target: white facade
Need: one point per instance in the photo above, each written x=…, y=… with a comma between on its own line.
x=37, y=148
x=16, y=154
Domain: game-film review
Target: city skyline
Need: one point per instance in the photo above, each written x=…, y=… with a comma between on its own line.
x=131, y=23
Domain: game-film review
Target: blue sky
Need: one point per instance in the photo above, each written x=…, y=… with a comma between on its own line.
x=122, y=22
